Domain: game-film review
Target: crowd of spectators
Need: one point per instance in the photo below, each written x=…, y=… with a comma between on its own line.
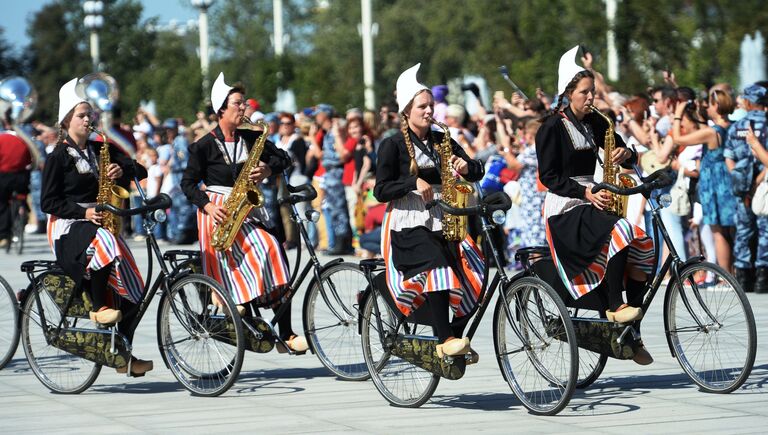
x=694, y=132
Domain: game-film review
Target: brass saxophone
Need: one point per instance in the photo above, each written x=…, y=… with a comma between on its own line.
x=244, y=197
x=109, y=191
x=611, y=174
x=455, y=192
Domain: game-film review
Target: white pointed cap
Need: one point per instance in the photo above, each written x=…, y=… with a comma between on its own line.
x=68, y=98
x=568, y=69
x=219, y=92
x=408, y=87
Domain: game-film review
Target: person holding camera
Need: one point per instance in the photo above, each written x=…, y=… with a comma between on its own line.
x=744, y=169
x=714, y=186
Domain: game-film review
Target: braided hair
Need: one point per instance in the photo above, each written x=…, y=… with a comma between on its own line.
x=414, y=167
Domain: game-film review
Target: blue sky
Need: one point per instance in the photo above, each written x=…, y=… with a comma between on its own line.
x=17, y=13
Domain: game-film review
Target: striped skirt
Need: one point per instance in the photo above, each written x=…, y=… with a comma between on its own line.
x=624, y=235
x=254, y=268
x=125, y=278
x=464, y=283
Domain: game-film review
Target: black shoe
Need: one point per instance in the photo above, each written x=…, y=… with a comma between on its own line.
x=745, y=278
x=761, y=280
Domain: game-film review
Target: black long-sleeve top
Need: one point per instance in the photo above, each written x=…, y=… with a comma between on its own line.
x=393, y=177
x=559, y=160
x=63, y=186
x=206, y=163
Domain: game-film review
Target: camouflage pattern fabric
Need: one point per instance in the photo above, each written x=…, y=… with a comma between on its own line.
x=93, y=346
x=602, y=337
x=60, y=286
x=422, y=352
x=252, y=342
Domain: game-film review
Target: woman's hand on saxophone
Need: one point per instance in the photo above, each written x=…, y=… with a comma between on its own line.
x=620, y=154
x=114, y=171
x=600, y=199
x=459, y=165
x=217, y=213
x=93, y=216
x=260, y=172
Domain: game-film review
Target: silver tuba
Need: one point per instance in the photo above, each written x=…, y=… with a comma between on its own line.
x=101, y=91
x=18, y=100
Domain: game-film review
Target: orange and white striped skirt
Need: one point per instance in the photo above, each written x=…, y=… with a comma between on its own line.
x=253, y=268
x=125, y=278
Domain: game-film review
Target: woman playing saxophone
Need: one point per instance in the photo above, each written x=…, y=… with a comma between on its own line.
x=92, y=256
x=422, y=264
x=588, y=242
x=253, y=269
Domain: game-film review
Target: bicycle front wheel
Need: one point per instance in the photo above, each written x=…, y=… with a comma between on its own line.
x=9, y=323
x=536, y=345
x=400, y=382
x=331, y=320
x=201, y=335
x=59, y=370
x=718, y=352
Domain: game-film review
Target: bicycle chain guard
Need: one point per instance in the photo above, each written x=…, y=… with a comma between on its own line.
x=258, y=334
x=92, y=345
x=60, y=286
x=603, y=337
x=422, y=352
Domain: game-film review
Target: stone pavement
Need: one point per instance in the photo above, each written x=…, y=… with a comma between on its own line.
x=295, y=394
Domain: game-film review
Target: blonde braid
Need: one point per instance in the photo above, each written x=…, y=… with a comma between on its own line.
x=414, y=168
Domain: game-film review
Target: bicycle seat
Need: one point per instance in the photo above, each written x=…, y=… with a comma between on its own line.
x=37, y=265
x=174, y=254
x=371, y=264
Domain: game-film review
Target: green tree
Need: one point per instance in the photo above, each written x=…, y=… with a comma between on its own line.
x=10, y=62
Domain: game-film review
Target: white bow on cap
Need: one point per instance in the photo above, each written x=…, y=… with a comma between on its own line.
x=568, y=69
x=408, y=87
x=219, y=92
x=68, y=98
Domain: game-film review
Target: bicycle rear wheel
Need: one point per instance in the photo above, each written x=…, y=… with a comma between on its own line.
x=536, y=346
x=332, y=322
x=58, y=370
x=9, y=323
x=719, y=355
x=201, y=342
x=400, y=382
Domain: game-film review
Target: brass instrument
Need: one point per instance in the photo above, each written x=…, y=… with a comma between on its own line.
x=109, y=191
x=611, y=173
x=18, y=100
x=455, y=192
x=244, y=197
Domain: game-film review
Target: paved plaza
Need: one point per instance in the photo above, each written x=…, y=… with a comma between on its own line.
x=295, y=394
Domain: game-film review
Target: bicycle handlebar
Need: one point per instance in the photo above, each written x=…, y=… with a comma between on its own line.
x=302, y=193
x=656, y=180
x=160, y=202
x=488, y=205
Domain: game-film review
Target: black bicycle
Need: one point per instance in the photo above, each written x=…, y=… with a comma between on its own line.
x=19, y=218
x=330, y=310
x=708, y=321
x=9, y=322
x=199, y=332
x=533, y=335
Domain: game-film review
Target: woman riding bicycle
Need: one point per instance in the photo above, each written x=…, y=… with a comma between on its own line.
x=254, y=269
x=89, y=254
x=588, y=245
x=421, y=263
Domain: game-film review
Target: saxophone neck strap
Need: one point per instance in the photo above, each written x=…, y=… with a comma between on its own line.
x=568, y=115
x=230, y=160
x=427, y=149
x=87, y=156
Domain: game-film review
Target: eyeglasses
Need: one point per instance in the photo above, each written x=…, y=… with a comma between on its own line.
x=286, y=123
x=237, y=103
